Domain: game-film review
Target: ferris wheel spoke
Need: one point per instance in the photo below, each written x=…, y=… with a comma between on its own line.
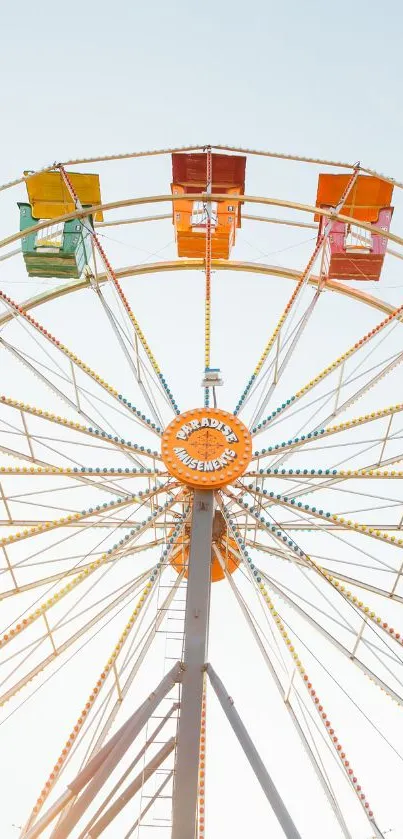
x=207, y=272
x=362, y=584
x=301, y=671
x=369, y=615
x=73, y=520
x=322, y=400
x=74, y=474
x=71, y=484
x=344, y=578
x=20, y=356
x=40, y=442
x=129, y=349
x=281, y=589
x=311, y=726
x=108, y=668
x=99, y=442
x=114, y=281
x=91, y=729
x=61, y=575
x=360, y=494
x=19, y=312
x=26, y=564
x=67, y=618
x=83, y=575
x=283, y=358
x=50, y=634
x=324, y=433
x=307, y=610
x=277, y=532
x=334, y=485
x=289, y=557
x=129, y=448
x=58, y=649
x=336, y=642
x=48, y=526
x=341, y=476
x=102, y=438
x=145, y=379
x=272, y=550
x=315, y=478
x=122, y=547
x=290, y=693
x=272, y=367
x=104, y=523
x=306, y=524
x=38, y=498
x=362, y=391
x=318, y=428
x=367, y=530
x=338, y=476
x=313, y=756
x=335, y=365
x=91, y=397
x=319, y=247
x=95, y=401
x=43, y=464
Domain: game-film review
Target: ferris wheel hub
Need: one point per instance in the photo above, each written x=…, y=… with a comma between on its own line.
x=206, y=448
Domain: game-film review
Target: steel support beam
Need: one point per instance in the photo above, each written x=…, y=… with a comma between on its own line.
x=101, y=766
x=94, y=820
x=262, y=775
x=120, y=748
x=196, y=640
x=131, y=790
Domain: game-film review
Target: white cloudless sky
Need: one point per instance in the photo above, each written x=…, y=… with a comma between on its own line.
x=312, y=77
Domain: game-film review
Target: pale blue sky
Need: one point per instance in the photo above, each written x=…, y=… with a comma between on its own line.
x=320, y=78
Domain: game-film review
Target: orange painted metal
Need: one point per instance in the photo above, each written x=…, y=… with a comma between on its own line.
x=352, y=253
x=189, y=177
x=367, y=197
x=220, y=538
x=206, y=448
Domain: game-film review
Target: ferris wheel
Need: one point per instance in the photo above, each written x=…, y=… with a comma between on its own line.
x=128, y=523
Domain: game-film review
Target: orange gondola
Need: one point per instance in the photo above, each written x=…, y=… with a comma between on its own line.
x=352, y=252
x=189, y=176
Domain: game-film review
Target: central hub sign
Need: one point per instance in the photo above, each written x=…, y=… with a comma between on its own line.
x=206, y=448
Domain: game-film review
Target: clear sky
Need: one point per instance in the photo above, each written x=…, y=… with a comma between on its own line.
x=317, y=79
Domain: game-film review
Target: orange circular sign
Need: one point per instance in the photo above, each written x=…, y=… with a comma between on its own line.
x=206, y=448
